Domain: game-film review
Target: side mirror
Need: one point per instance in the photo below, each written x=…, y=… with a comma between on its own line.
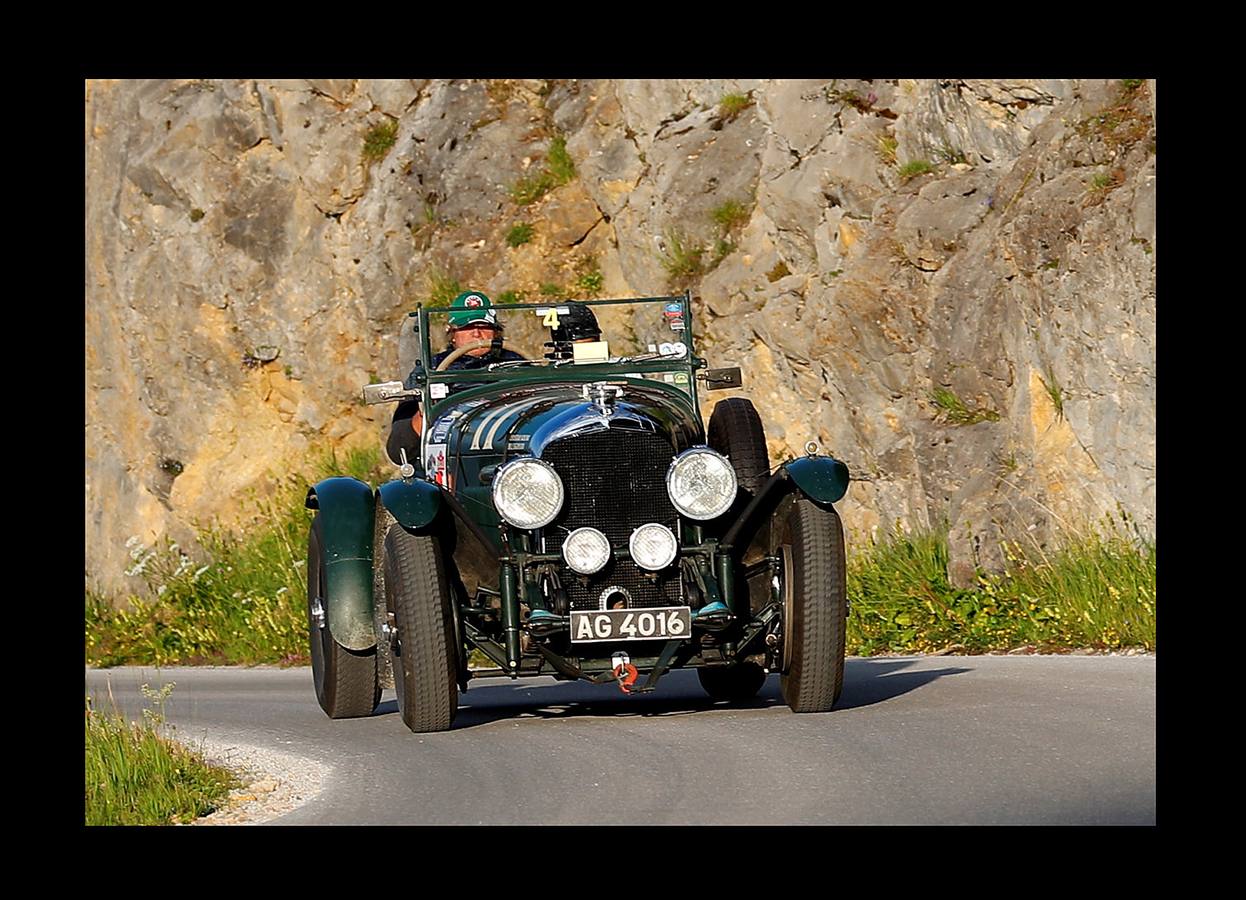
x=721, y=379
x=386, y=392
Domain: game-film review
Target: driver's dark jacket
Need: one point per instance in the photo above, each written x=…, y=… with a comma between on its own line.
x=401, y=435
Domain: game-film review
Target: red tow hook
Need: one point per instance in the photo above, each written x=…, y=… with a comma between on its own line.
x=624, y=672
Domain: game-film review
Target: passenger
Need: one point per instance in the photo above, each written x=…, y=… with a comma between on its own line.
x=472, y=320
x=577, y=326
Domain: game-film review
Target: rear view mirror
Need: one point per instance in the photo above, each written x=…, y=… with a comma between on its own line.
x=721, y=379
x=386, y=392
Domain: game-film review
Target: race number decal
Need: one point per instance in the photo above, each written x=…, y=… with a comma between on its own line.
x=551, y=318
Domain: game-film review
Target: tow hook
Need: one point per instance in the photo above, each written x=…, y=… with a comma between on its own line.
x=624, y=672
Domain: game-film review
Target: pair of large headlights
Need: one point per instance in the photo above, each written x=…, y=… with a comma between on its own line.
x=528, y=493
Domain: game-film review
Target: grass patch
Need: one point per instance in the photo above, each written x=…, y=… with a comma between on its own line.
x=954, y=410
x=378, y=141
x=1054, y=391
x=730, y=215
x=519, y=234
x=135, y=775
x=531, y=188
x=1102, y=184
x=590, y=280
x=911, y=170
x=732, y=105
x=886, y=148
x=558, y=170
x=559, y=163
x=681, y=259
x=510, y=297
x=246, y=603
x=1096, y=590
x=549, y=289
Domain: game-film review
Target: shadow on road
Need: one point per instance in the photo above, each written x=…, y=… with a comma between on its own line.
x=866, y=682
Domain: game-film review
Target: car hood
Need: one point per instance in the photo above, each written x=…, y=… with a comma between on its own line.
x=525, y=419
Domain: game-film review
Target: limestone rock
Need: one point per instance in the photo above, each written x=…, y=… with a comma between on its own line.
x=247, y=267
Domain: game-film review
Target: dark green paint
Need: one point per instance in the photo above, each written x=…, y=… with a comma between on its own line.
x=820, y=478
x=414, y=504
x=510, y=613
x=346, y=518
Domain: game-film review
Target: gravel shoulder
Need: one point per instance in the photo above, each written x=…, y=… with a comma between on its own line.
x=274, y=783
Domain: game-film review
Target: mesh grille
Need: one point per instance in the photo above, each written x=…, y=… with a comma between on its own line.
x=615, y=481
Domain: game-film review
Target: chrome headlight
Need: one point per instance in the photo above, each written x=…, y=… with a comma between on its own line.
x=586, y=550
x=527, y=492
x=701, y=483
x=653, y=546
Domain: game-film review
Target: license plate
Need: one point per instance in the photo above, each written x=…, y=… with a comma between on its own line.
x=662, y=623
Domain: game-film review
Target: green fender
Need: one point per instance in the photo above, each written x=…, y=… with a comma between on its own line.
x=413, y=503
x=347, y=509
x=820, y=478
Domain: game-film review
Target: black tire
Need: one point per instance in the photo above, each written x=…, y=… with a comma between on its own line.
x=815, y=603
x=736, y=432
x=739, y=682
x=424, y=655
x=345, y=680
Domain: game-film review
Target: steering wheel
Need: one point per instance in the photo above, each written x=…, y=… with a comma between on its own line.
x=459, y=351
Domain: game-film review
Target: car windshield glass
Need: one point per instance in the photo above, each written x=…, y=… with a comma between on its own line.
x=631, y=331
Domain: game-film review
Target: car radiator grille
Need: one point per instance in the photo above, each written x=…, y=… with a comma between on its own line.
x=615, y=481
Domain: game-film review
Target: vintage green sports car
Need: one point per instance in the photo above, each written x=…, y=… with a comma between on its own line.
x=571, y=515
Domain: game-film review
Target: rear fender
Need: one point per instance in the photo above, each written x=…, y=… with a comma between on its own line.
x=347, y=511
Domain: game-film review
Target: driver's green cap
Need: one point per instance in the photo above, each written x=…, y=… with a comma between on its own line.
x=471, y=308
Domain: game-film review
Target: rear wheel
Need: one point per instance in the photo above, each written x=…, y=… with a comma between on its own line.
x=736, y=432
x=739, y=682
x=813, y=588
x=345, y=680
x=424, y=655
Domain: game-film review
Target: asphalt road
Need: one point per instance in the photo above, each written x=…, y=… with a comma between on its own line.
x=953, y=739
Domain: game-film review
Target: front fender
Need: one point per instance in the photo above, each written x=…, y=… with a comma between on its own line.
x=414, y=504
x=347, y=511
x=822, y=479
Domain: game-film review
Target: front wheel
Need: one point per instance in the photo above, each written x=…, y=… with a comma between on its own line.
x=345, y=680
x=813, y=588
x=424, y=655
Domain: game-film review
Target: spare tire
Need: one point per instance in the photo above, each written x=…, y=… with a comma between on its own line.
x=735, y=431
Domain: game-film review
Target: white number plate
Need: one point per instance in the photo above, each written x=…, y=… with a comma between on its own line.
x=662, y=623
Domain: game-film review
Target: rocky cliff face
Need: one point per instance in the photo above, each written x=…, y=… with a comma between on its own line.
x=948, y=284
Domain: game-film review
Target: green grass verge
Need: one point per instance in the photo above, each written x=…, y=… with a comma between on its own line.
x=1097, y=590
x=245, y=605
x=135, y=775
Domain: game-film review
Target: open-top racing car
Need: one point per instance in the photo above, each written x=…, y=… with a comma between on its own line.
x=570, y=515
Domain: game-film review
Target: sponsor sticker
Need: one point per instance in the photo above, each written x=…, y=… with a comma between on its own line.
x=675, y=308
x=681, y=377
x=435, y=463
x=441, y=429
x=438, y=391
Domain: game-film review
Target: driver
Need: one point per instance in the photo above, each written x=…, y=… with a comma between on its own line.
x=472, y=320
